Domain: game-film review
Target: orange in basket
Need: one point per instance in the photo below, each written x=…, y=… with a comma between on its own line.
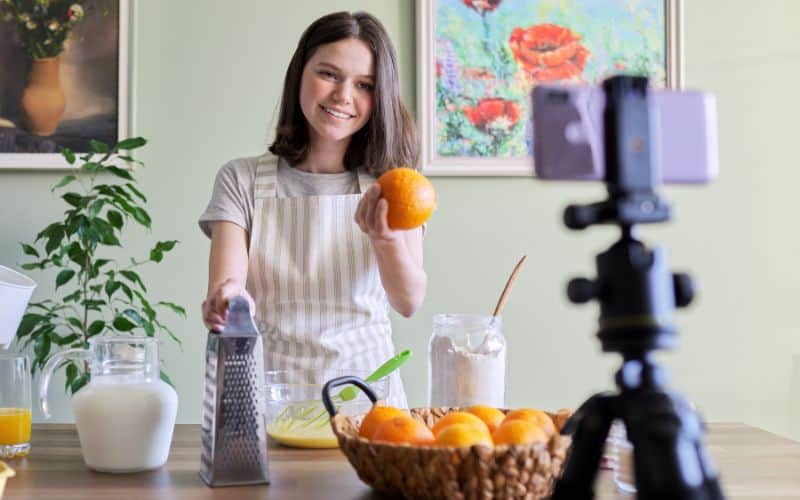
x=457, y=417
x=492, y=417
x=519, y=432
x=376, y=416
x=404, y=429
x=537, y=417
x=464, y=435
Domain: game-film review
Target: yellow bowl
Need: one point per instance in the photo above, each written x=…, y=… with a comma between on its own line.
x=295, y=414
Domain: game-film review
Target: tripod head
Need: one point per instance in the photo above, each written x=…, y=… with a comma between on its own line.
x=635, y=288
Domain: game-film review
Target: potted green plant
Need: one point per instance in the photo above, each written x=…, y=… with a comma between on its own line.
x=96, y=294
x=42, y=27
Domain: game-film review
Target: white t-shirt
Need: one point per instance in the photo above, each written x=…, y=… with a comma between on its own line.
x=233, y=198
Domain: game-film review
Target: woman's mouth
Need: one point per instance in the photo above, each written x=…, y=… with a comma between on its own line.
x=337, y=114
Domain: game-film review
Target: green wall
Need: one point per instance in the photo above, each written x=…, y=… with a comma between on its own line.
x=206, y=80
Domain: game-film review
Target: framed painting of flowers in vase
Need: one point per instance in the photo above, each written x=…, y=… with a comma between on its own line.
x=478, y=61
x=64, y=78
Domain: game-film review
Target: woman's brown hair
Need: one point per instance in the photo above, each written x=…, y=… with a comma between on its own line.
x=389, y=138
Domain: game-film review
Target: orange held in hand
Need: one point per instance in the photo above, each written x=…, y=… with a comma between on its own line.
x=376, y=416
x=538, y=417
x=519, y=432
x=410, y=195
x=404, y=429
x=492, y=417
x=464, y=435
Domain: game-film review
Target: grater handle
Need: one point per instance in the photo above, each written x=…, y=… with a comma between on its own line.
x=345, y=380
x=240, y=319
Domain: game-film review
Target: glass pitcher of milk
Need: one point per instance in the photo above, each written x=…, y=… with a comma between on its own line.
x=126, y=414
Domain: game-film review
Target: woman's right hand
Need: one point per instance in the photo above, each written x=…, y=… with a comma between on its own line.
x=215, y=307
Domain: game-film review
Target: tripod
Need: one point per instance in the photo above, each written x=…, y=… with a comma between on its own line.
x=638, y=295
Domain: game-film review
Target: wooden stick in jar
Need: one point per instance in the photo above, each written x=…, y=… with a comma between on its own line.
x=509, y=284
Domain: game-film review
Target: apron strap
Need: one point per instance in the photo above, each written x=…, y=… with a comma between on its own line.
x=266, y=177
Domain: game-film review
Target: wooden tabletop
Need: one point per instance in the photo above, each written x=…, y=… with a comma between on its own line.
x=754, y=464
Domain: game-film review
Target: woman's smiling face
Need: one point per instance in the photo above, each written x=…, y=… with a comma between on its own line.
x=336, y=90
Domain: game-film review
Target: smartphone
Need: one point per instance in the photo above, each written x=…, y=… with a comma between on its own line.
x=568, y=134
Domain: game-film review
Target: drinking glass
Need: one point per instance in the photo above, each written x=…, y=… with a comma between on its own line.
x=15, y=405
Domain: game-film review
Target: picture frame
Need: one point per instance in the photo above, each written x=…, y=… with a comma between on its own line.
x=96, y=105
x=452, y=32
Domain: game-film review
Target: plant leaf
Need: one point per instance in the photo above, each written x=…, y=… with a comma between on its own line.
x=72, y=320
x=74, y=199
x=29, y=321
x=131, y=143
x=166, y=378
x=29, y=250
x=133, y=315
x=171, y=335
x=134, y=278
x=64, y=180
x=127, y=290
x=111, y=287
x=141, y=216
x=54, y=228
x=95, y=208
x=96, y=327
x=41, y=348
x=175, y=308
x=79, y=383
x=149, y=329
x=54, y=242
x=122, y=324
x=72, y=372
x=63, y=277
x=74, y=296
x=115, y=219
x=68, y=155
x=120, y=173
x=98, y=147
x=135, y=191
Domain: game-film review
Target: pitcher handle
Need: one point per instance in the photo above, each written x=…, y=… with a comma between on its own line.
x=52, y=365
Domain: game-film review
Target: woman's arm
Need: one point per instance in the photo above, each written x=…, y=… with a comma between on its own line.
x=399, y=254
x=227, y=272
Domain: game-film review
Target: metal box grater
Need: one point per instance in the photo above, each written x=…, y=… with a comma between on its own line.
x=234, y=433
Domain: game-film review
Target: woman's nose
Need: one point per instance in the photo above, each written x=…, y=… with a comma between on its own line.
x=343, y=93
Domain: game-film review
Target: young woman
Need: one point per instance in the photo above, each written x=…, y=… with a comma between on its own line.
x=302, y=230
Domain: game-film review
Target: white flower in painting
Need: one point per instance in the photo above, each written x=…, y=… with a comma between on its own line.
x=31, y=25
x=24, y=17
x=75, y=12
x=47, y=42
x=53, y=25
x=43, y=3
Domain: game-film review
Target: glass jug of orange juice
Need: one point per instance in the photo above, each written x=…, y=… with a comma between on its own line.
x=15, y=405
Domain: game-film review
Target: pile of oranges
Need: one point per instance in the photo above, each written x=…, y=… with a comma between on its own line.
x=476, y=425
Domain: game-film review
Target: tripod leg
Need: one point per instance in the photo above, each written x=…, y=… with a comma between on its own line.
x=670, y=459
x=591, y=423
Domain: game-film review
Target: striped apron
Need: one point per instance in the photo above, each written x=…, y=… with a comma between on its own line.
x=319, y=299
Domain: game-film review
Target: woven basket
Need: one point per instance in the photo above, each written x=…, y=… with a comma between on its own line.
x=477, y=472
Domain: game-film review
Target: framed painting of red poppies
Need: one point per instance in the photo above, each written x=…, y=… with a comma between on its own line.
x=478, y=61
x=64, y=78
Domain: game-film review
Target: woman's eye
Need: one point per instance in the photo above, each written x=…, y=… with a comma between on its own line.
x=327, y=74
x=365, y=86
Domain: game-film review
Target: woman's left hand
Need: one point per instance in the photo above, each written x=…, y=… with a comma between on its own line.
x=372, y=216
